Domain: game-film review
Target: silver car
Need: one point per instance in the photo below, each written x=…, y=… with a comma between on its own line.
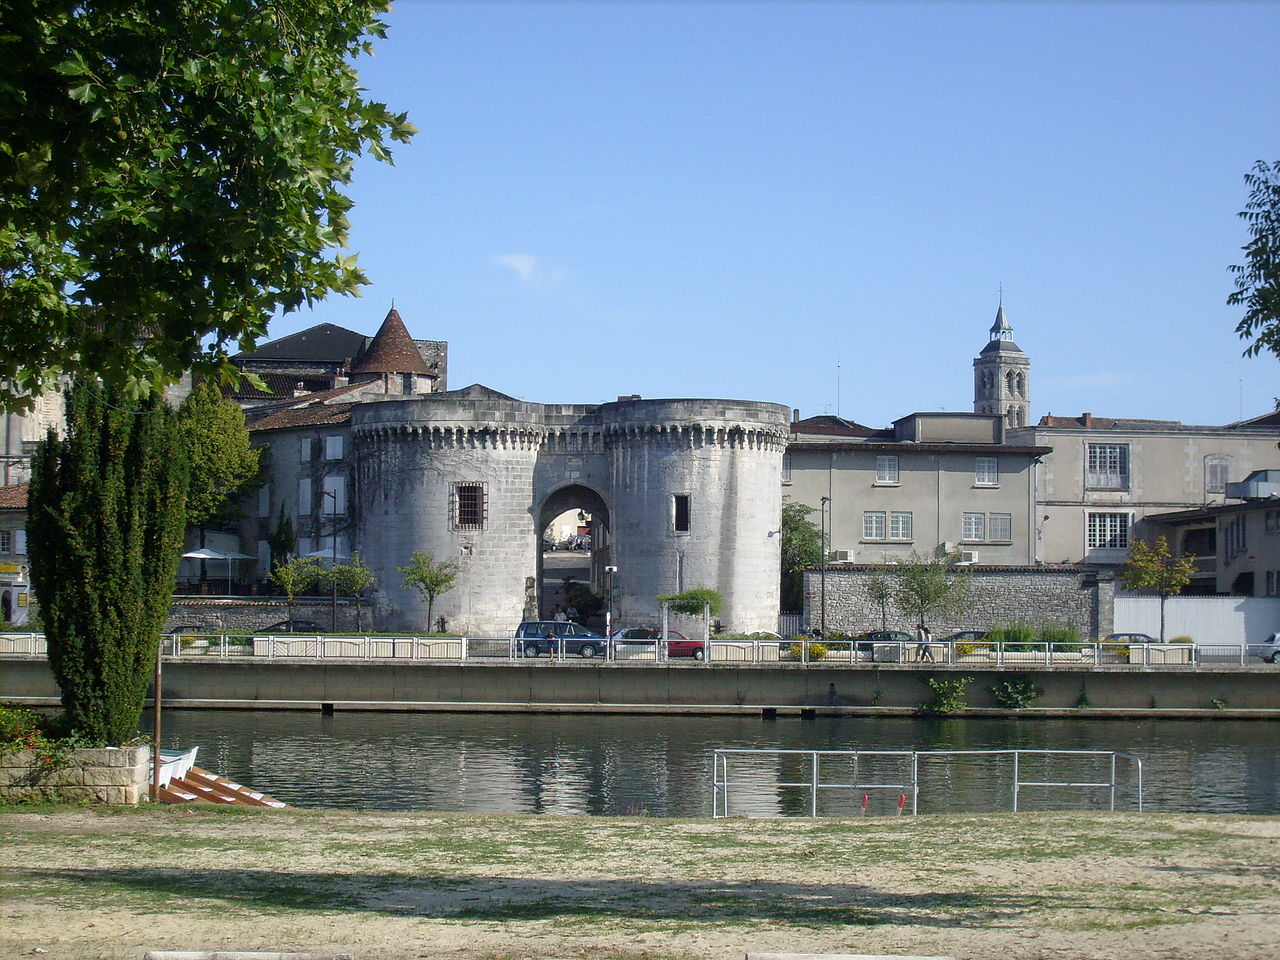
x=1268, y=649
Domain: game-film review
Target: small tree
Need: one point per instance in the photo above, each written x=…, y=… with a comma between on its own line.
x=106, y=521
x=929, y=586
x=282, y=542
x=1155, y=568
x=429, y=578
x=801, y=547
x=296, y=576
x=880, y=592
x=352, y=579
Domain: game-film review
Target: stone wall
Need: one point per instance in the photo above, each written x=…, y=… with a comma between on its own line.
x=1071, y=595
x=251, y=616
x=114, y=776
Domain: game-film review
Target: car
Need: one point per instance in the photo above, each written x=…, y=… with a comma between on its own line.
x=570, y=638
x=867, y=642
x=678, y=645
x=1130, y=638
x=1268, y=649
x=292, y=626
x=966, y=636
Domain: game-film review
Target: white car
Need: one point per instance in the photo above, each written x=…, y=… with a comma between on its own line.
x=1268, y=649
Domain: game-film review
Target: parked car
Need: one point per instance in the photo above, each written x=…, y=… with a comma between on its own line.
x=292, y=626
x=1268, y=649
x=1130, y=638
x=678, y=645
x=867, y=642
x=966, y=636
x=571, y=639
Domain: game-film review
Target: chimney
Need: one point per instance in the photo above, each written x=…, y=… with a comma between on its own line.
x=1088, y=419
x=795, y=415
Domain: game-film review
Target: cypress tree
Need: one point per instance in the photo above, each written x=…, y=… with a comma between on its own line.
x=106, y=522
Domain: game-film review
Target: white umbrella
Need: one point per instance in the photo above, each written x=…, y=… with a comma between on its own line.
x=328, y=555
x=208, y=553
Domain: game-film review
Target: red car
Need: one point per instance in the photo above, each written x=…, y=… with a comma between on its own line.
x=678, y=645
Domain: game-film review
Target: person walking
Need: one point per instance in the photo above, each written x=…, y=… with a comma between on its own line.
x=924, y=640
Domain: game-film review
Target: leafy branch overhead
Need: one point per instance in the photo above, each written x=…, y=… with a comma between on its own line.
x=1258, y=278
x=171, y=176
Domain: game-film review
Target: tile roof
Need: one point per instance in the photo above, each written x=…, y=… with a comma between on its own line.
x=325, y=342
x=826, y=425
x=14, y=496
x=310, y=415
x=392, y=350
x=1102, y=423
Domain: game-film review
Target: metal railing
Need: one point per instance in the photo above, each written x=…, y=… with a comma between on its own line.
x=804, y=652
x=1118, y=774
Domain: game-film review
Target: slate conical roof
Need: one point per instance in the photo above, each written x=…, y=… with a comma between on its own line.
x=1001, y=336
x=392, y=350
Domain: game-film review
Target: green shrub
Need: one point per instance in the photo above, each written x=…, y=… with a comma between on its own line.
x=1063, y=637
x=816, y=650
x=1016, y=693
x=950, y=694
x=579, y=595
x=1182, y=639
x=693, y=602
x=21, y=729
x=968, y=649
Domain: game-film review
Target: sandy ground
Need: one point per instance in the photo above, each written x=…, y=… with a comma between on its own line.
x=111, y=884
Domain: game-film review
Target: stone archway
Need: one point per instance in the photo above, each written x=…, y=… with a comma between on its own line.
x=588, y=503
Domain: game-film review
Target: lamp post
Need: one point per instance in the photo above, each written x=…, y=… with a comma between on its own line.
x=609, y=571
x=825, y=505
x=333, y=562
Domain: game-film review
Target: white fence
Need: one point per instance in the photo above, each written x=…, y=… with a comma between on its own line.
x=1216, y=620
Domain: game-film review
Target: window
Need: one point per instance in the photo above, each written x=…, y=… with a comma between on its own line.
x=1271, y=583
x=1273, y=521
x=305, y=449
x=900, y=525
x=468, y=506
x=680, y=512
x=6, y=541
x=1215, y=474
x=973, y=526
x=1108, y=466
x=1234, y=539
x=786, y=468
x=1108, y=531
x=987, y=471
x=264, y=500
x=886, y=469
x=304, y=497
x=264, y=557
x=333, y=448
x=873, y=525
x=1000, y=526
x=335, y=496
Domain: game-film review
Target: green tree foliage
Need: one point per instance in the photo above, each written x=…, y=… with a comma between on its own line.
x=1153, y=567
x=801, y=547
x=282, y=541
x=106, y=520
x=930, y=586
x=1258, y=278
x=429, y=578
x=172, y=175
x=692, y=603
x=295, y=577
x=223, y=465
x=352, y=579
x=880, y=592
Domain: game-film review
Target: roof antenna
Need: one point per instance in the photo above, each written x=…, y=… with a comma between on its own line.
x=837, y=388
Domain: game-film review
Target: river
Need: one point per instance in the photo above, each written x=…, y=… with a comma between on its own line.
x=661, y=766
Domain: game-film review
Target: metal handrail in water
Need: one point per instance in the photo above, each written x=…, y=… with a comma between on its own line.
x=910, y=787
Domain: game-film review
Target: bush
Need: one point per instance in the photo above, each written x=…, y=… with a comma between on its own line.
x=1182, y=639
x=950, y=694
x=21, y=729
x=1063, y=637
x=1016, y=693
x=693, y=602
x=817, y=650
x=579, y=595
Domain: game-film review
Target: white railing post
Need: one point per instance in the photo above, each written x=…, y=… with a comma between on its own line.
x=813, y=804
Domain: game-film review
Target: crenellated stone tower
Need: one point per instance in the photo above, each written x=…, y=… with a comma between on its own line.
x=1002, y=376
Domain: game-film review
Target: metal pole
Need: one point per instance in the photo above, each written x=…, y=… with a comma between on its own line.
x=1015, y=781
x=155, y=730
x=813, y=803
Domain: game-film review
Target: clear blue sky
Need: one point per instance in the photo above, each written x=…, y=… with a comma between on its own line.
x=726, y=199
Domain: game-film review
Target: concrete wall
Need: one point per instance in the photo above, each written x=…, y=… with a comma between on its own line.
x=1000, y=596
x=114, y=776
x=1204, y=619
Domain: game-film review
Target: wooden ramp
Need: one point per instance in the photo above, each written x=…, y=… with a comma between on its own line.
x=201, y=786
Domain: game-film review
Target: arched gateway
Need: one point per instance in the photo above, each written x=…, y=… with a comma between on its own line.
x=687, y=492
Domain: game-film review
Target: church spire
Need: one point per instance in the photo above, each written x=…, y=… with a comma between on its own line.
x=1000, y=330
x=1002, y=375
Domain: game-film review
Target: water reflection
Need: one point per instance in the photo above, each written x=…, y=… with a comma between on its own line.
x=524, y=763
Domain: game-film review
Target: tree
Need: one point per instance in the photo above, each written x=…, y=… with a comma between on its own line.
x=1153, y=567
x=282, y=541
x=930, y=586
x=106, y=520
x=801, y=547
x=172, y=175
x=223, y=466
x=1258, y=279
x=296, y=576
x=880, y=592
x=429, y=578
x=352, y=579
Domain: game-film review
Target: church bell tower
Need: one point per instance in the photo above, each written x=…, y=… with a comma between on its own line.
x=1002, y=376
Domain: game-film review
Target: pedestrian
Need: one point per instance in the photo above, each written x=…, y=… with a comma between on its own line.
x=558, y=615
x=551, y=641
x=571, y=613
x=924, y=650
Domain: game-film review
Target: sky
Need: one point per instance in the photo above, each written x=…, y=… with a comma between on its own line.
x=820, y=204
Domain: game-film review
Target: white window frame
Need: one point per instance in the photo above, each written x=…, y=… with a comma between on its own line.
x=887, y=468
x=1107, y=530
x=973, y=527
x=874, y=525
x=986, y=471
x=1107, y=466
x=900, y=525
x=6, y=541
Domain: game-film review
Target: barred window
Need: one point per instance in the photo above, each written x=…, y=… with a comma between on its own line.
x=900, y=525
x=1215, y=474
x=1000, y=526
x=1108, y=466
x=987, y=471
x=1108, y=531
x=887, y=469
x=469, y=506
x=873, y=526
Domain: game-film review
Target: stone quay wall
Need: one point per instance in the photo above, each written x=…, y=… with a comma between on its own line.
x=118, y=776
x=1067, y=595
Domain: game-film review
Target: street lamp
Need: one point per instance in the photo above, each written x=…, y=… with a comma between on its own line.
x=609, y=571
x=825, y=505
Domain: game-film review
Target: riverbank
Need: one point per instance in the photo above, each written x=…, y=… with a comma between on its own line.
x=78, y=883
